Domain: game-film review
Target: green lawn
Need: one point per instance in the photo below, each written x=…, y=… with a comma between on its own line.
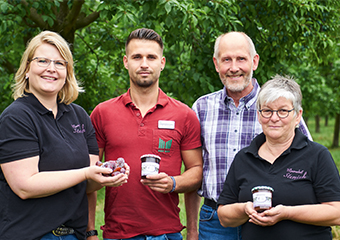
x=325, y=138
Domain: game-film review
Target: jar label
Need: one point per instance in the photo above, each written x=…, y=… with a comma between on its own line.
x=149, y=168
x=262, y=199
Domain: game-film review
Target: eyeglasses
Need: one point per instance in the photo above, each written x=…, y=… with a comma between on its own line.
x=281, y=113
x=45, y=62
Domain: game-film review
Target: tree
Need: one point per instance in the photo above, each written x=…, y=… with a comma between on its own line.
x=331, y=71
x=292, y=30
x=21, y=20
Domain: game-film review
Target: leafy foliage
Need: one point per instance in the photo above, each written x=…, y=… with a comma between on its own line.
x=293, y=37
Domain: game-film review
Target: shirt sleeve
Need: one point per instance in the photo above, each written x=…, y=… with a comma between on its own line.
x=327, y=181
x=91, y=137
x=192, y=137
x=97, y=124
x=18, y=138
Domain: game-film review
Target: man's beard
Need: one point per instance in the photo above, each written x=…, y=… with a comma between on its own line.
x=239, y=87
x=144, y=84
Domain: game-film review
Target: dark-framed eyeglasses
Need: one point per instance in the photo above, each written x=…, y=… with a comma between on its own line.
x=281, y=113
x=45, y=62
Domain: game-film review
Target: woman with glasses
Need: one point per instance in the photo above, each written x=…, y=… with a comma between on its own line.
x=305, y=184
x=48, y=150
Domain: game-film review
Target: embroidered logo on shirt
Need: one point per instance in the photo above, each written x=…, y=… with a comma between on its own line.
x=78, y=128
x=164, y=146
x=295, y=174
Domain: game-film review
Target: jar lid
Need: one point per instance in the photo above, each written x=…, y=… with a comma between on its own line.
x=151, y=156
x=262, y=188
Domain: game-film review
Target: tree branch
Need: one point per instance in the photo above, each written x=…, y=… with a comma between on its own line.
x=34, y=16
x=74, y=13
x=85, y=21
x=95, y=72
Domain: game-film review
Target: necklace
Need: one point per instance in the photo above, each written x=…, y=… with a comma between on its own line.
x=51, y=109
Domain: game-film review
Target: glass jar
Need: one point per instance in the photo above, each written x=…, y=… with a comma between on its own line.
x=262, y=198
x=150, y=164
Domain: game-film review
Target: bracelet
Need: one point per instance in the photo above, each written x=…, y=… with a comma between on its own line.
x=174, y=184
x=91, y=233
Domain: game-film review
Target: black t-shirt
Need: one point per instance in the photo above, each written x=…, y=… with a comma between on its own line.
x=304, y=174
x=28, y=129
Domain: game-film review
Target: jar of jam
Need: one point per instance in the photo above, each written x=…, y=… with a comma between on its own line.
x=262, y=198
x=150, y=164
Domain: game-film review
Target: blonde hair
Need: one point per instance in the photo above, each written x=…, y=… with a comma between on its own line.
x=71, y=88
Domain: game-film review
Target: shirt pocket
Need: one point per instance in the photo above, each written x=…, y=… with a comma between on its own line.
x=165, y=142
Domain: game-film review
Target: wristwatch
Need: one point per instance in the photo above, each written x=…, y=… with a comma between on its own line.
x=91, y=233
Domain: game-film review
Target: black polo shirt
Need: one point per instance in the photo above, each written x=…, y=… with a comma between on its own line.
x=28, y=129
x=304, y=174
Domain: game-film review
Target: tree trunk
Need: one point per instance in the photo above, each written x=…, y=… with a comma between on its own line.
x=326, y=121
x=335, y=143
x=317, y=124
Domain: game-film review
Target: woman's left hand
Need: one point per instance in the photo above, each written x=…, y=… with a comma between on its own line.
x=269, y=217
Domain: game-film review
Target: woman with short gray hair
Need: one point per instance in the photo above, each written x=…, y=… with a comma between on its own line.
x=283, y=186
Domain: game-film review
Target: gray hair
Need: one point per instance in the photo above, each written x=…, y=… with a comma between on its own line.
x=252, y=50
x=280, y=86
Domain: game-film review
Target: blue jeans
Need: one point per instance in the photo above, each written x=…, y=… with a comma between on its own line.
x=169, y=236
x=50, y=236
x=211, y=229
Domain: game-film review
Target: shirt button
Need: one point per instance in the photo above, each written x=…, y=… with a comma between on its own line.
x=142, y=124
x=235, y=130
x=138, y=114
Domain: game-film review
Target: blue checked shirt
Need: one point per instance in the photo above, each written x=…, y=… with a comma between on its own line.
x=226, y=129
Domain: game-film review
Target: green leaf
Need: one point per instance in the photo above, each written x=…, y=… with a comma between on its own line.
x=18, y=19
x=35, y=5
x=168, y=7
x=195, y=21
x=57, y=3
x=50, y=21
x=4, y=7
x=130, y=17
x=196, y=76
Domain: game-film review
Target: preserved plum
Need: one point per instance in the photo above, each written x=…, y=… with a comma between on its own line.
x=117, y=166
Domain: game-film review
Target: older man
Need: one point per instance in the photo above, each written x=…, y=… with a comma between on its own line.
x=228, y=123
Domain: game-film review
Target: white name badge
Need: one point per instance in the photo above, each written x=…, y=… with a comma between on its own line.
x=166, y=124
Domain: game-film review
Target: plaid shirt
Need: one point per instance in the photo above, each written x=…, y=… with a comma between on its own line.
x=226, y=129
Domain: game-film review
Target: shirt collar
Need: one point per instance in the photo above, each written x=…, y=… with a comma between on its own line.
x=32, y=100
x=248, y=99
x=162, y=98
x=299, y=142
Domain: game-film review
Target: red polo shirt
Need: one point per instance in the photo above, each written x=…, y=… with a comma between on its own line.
x=167, y=129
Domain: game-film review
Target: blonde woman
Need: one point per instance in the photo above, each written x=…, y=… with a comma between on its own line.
x=48, y=149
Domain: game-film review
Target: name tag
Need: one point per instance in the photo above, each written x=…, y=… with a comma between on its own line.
x=166, y=124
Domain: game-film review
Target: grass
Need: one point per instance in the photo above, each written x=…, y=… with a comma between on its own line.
x=325, y=138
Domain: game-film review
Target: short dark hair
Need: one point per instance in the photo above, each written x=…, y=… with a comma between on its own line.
x=146, y=34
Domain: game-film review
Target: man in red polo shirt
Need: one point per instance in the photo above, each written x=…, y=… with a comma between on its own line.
x=145, y=120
